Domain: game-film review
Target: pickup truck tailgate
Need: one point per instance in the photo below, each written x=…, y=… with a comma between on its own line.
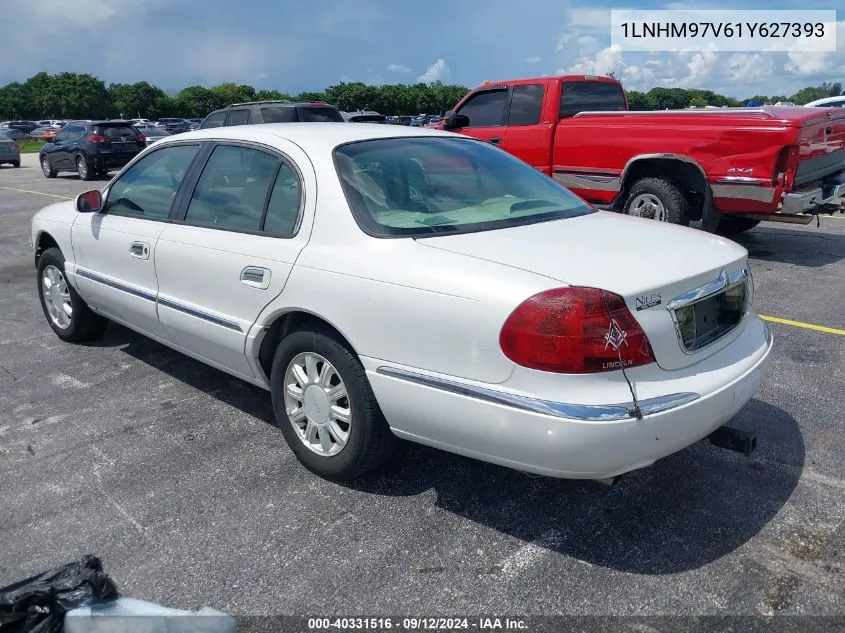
x=821, y=141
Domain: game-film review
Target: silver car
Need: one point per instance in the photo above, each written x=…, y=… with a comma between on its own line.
x=10, y=151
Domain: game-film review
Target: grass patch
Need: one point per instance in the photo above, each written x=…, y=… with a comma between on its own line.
x=31, y=146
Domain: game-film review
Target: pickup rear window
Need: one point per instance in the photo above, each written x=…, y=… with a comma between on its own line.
x=590, y=96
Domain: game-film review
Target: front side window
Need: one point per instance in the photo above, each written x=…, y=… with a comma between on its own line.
x=232, y=189
x=485, y=109
x=238, y=117
x=420, y=187
x=149, y=187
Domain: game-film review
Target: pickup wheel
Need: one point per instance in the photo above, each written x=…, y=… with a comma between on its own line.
x=732, y=226
x=326, y=408
x=67, y=313
x=658, y=199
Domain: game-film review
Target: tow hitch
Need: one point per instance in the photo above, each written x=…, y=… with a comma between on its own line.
x=744, y=442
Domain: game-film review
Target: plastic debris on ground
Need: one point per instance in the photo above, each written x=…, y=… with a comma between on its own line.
x=80, y=598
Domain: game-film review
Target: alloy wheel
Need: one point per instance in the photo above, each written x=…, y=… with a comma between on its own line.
x=317, y=404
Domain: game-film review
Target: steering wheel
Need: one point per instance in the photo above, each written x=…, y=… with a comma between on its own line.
x=128, y=203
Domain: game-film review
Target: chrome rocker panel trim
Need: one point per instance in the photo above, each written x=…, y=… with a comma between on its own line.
x=205, y=316
x=580, y=412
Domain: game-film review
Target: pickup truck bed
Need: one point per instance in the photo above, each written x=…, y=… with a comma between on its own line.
x=729, y=167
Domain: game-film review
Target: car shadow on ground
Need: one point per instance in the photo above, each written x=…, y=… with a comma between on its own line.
x=686, y=511
x=810, y=248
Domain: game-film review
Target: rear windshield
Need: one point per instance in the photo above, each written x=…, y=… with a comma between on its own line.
x=318, y=114
x=590, y=96
x=117, y=132
x=420, y=187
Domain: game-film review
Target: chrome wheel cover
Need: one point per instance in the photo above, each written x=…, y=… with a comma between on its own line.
x=45, y=166
x=648, y=206
x=81, y=167
x=317, y=404
x=56, y=295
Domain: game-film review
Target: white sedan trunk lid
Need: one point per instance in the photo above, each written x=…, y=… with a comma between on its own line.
x=642, y=260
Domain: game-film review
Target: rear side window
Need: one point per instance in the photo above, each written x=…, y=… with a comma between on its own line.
x=526, y=104
x=233, y=189
x=590, y=96
x=283, y=209
x=238, y=117
x=218, y=119
x=74, y=132
x=319, y=115
x=486, y=109
x=278, y=115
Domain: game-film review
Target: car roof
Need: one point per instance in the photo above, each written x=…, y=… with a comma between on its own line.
x=318, y=137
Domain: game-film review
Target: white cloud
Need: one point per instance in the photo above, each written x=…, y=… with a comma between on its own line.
x=438, y=71
x=398, y=68
x=534, y=60
x=582, y=24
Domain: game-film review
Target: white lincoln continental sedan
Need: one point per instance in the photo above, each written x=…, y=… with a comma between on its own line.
x=386, y=282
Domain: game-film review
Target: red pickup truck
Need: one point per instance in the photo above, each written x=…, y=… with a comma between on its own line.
x=730, y=168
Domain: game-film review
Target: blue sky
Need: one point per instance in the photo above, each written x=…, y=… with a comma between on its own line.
x=296, y=45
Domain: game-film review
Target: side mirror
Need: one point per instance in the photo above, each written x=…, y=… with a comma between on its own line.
x=454, y=121
x=90, y=201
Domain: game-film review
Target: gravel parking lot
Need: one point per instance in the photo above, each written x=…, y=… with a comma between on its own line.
x=174, y=475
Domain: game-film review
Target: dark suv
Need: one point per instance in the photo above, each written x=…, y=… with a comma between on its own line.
x=91, y=148
x=273, y=112
x=174, y=126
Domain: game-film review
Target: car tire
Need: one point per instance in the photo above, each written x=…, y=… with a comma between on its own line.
x=658, y=199
x=734, y=226
x=16, y=163
x=83, y=168
x=82, y=324
x=369, y=441
x=47, y=168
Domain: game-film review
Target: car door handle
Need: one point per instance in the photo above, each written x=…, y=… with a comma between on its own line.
x=255, y=277
x=496, y=140
x=141, y=250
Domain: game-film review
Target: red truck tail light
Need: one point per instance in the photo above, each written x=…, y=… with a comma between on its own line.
x=786, y=165
x=96, y=138
x=575, y=331
x=142, y=137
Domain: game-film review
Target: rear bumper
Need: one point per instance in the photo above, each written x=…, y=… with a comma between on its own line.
x=830, y=194
x=10, y=155
x=115, y=161
x=568, y=440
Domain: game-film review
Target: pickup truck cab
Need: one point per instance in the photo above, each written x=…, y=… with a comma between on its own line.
x=728, y=167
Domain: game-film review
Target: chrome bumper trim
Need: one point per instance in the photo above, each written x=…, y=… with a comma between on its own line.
x=801, y=202
x=581, y=412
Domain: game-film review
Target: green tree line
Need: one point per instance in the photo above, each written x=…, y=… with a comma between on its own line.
x=72, y=95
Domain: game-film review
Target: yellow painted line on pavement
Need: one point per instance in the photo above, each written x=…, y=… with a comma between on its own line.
x=806, y=326
x=37, y=193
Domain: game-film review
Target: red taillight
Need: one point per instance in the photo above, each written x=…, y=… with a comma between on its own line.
x=96, y=138
x=786, y=165
x=575, y=331
x=15, y=146
x=141, y=137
